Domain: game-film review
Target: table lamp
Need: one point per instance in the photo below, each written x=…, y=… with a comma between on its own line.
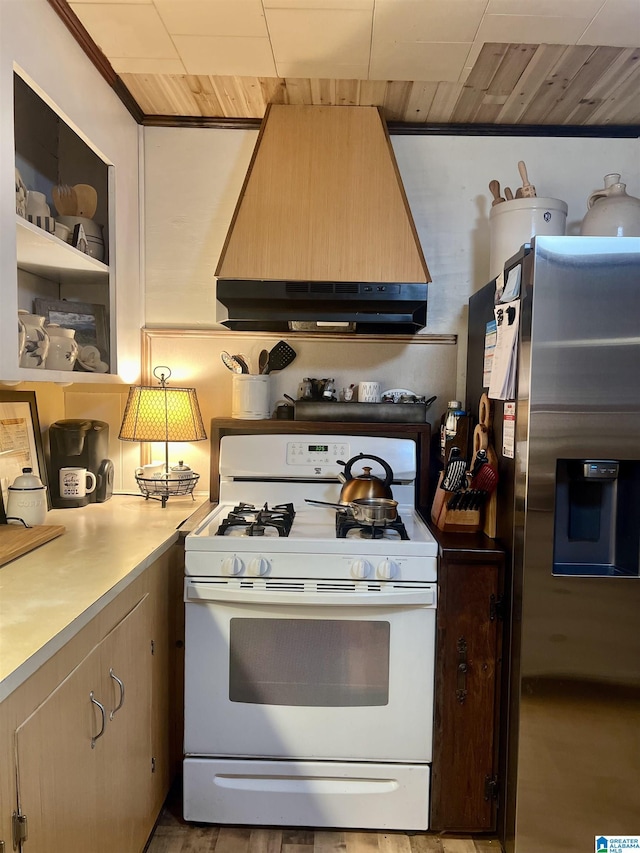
x=161, y=413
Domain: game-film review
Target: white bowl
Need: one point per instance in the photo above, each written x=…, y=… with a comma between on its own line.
x=91, y=228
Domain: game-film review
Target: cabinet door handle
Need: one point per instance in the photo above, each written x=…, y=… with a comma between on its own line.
x=121, y=686
x=104, y=720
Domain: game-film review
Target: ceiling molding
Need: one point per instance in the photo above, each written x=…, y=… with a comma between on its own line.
x=97, y=57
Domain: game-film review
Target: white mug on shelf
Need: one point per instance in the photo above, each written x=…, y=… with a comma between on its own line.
x=369, y=392
x=76, y=482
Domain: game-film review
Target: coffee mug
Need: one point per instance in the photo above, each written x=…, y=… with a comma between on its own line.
x=369, y=392
x=76, y=482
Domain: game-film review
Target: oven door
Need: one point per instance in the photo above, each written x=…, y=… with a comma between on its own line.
x=309, y=670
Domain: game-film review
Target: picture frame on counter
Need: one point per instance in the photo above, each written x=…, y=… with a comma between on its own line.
x=90, y=323
x=20, y=440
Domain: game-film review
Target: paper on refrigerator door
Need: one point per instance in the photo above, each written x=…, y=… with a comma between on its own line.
x=509, y=430
x=503, y=370
x=489, y=348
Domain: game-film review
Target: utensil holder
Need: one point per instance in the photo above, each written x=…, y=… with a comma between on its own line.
x=250, y=396
x=513, y=223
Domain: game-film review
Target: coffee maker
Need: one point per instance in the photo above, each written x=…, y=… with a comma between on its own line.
x=76, y=443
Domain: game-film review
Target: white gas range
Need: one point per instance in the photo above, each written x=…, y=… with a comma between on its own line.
x=310, y=643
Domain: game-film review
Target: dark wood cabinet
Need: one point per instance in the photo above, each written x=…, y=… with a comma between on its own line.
x=468, y=672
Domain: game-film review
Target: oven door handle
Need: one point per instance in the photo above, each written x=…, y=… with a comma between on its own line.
x=397, y=598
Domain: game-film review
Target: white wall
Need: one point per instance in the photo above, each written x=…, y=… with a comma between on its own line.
x=193, y=178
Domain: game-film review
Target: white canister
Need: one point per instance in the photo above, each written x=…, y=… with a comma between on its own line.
x=250, y=396
x=515, y=222
x=63, y=349
x=369, y=392
x=27, y=499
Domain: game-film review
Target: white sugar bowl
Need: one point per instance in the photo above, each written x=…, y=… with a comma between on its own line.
x=177, y=476
x=27, y=499
x=63, y=348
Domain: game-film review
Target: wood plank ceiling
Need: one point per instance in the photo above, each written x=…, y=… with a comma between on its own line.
x=503, y=83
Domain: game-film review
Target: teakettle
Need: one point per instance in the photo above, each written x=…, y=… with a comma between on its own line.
x=27, y=499
x=366, y=485
x=611, y=212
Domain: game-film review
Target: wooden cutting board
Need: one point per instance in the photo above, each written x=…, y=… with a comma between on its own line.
x=16, y=540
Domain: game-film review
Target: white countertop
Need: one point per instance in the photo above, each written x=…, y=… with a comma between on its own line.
x=49, y=594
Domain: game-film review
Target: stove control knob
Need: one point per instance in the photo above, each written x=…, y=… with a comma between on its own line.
x=232, y=566
x=361, y=568
x=259, y=566
x=387, y=570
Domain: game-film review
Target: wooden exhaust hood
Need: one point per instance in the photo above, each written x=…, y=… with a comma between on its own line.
x=323, y=208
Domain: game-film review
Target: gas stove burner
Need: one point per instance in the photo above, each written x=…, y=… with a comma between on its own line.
x=249, y=520
x=348, y=528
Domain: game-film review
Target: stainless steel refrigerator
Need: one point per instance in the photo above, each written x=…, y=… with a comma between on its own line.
x=569, y=518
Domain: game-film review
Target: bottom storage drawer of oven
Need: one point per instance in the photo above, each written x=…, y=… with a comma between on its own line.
x=307, y=793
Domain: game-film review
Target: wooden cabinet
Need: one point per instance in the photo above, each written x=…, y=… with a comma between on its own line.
x=64, y=126
x=50, y=270
x=84, y=755
x=468, y=672
x=88, y=742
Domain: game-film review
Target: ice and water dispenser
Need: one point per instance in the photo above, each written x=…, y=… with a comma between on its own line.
x=597, y=517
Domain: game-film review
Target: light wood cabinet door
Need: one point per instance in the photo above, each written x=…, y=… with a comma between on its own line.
x=59, y=763
x=125, y=794
x=84, y=774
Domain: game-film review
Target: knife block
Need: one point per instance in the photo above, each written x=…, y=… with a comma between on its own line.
x=452, y=520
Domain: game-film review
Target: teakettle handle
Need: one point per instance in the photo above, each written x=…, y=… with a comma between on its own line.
x=387, y=468
x=595, y=195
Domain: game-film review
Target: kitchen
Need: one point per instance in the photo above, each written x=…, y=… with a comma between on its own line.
x=446, y=193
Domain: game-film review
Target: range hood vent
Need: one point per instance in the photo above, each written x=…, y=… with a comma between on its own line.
x=361, y=307
x=322, y=234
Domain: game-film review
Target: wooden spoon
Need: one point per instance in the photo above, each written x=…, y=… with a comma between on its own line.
x=87, y=199
x=528, y=190
x=64, y=200
x=494, y=189
x=508, y=194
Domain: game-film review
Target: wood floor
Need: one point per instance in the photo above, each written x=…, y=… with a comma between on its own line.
x=173, y=835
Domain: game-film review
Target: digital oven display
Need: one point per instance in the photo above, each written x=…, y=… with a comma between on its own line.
x=318, y=448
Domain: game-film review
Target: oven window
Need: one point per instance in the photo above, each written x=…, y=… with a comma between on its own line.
x=314, y=662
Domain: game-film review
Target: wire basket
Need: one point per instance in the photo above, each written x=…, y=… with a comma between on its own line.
x=162, y=488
